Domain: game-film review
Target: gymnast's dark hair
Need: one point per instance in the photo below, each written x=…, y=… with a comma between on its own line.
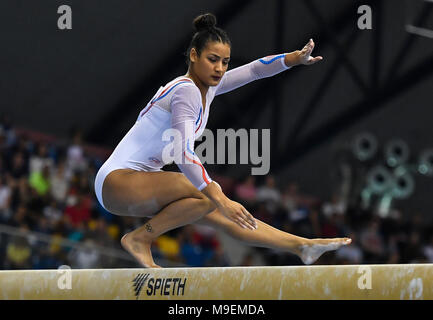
x=206, y=30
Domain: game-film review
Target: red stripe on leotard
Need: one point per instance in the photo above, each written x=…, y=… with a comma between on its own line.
x=203, y=171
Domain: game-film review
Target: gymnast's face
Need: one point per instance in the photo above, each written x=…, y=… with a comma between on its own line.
x=212, y=63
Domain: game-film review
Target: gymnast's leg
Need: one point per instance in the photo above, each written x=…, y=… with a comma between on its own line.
x=309, y=250
x=176, y=202
x=167, y=196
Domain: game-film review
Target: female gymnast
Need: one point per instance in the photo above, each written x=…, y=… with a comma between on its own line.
x=131, y=182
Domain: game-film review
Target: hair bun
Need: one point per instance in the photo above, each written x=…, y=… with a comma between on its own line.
x=204, y=22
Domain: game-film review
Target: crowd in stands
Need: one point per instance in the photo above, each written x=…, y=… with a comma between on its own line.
x=47, y=188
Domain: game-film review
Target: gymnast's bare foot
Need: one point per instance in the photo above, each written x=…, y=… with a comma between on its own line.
x=139, y=249
x=314, y=248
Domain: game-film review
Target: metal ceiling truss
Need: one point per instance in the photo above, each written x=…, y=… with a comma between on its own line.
x=251, y=108
x=379, y=93
x=376, y=93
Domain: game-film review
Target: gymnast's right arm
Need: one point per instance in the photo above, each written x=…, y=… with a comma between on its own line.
x=185, y=110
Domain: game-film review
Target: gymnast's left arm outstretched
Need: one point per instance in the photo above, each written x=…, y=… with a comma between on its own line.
x=266, y=67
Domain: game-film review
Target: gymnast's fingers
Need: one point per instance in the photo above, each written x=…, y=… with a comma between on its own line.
x=315, y=59
x=249, y=218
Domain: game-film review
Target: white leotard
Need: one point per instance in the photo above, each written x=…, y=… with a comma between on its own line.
x=178, y=105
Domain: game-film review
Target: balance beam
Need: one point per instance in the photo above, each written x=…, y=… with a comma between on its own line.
x=345, y=282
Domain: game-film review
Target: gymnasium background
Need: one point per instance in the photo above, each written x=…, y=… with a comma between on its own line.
x=351, y=137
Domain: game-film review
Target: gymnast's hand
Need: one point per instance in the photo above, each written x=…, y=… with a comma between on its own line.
x=302, y=56
x=305, y=54
x=231, y=209
x=238, y=214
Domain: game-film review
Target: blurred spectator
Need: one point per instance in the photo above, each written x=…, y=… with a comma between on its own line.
x=262, y=213
x=290, y=197
x=113, y=231
x=77, y=233
x=39, y=180
x=19, y=166
x=315, y=223
x=3, y=141
x=23, y=146
x=83, y=183
x=206, y=236
x=372, y=242
x=76, y=160
x=20, y=192
x=219, y=258
x=192, y=254
x=168, y=246
x=99, y=233
x=35, y=206
x=418, y=224
x=85, y=257
x=336, y=206
x=5, y=200
x=3, y=169
x=393, y=252
x=299, y=214
x=40, y=160
x=269, y=194
x=330, y=227
x=59, y=182
x=279, y=217
x=53, y=213
x=55, y=246
x=78, y=208
x=300, y=219
x=20, y=218
x=46, y=258
x=43, y=226
x=247, y=191
x=18, y=253
x=350, y=254
x=412, y=251
x=7, y=130
x=428, y=250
